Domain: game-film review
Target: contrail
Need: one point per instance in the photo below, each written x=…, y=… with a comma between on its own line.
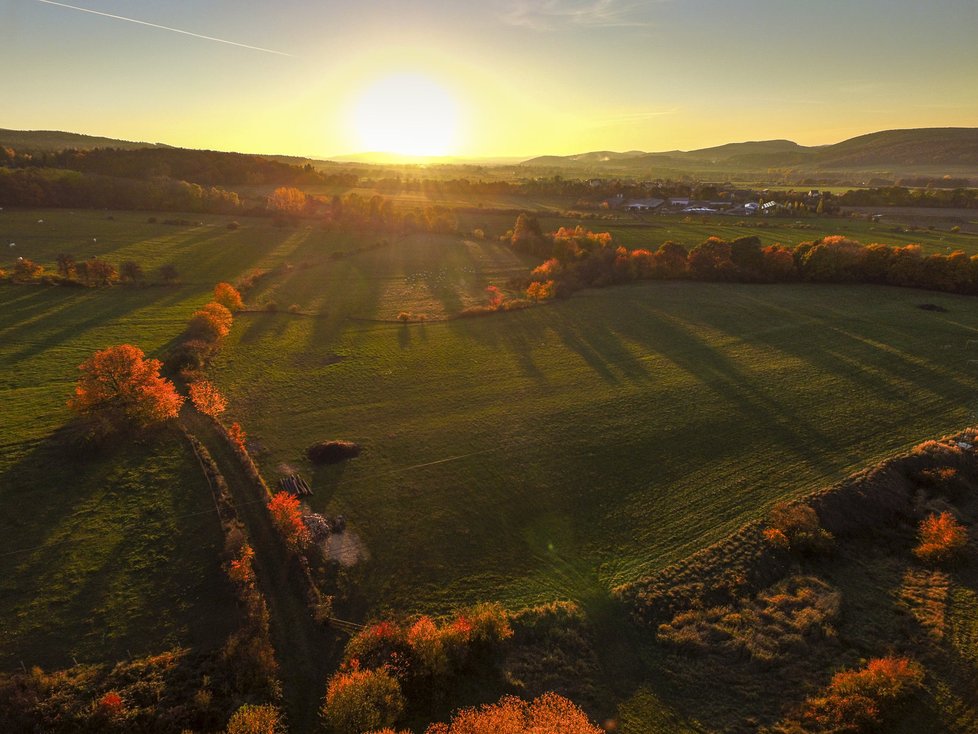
x=165, y=28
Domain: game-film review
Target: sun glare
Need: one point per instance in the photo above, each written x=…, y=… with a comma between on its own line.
x=407, y=114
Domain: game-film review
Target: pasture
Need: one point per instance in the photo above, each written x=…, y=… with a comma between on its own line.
x=559, y=451
x=527, y=456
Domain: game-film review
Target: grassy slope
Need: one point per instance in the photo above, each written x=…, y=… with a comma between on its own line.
x=117, y=554
x=556, y=451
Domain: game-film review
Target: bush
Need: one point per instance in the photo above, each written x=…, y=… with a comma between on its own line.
x=233, y=225
x=251, y=719
x=548, y=714
x=228, y=296
x=798, y=524
x=212, y=322
x=333, y=452
x=942, y=539
x=362, y=700
x=856, y=700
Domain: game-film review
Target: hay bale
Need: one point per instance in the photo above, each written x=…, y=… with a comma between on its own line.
x=332, y=452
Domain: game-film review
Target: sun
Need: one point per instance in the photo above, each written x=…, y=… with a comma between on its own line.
x=407, y=114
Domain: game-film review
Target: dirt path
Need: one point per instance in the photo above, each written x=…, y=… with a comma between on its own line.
x=306, y=652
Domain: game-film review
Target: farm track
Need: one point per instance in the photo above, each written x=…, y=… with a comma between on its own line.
x=306, y=653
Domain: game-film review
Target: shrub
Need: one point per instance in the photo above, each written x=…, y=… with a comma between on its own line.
x=237, y=436
x=207, y=398
x=382, y=644
x=362, y=700
x=332, y=452
x=856, y=700
x=212, y=322
x=252, y=719
x=241, y=571
x=942, y=538
x=799, y=524
x=284, y=509
x=228, y=296
x=191, y=355
x=548, y=714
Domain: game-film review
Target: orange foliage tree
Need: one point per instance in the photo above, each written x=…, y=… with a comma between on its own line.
x=212, y=322
x=120, y=384
x=548, y=714
x=207, y=398
x=538, y=291
x=237, y=436
x=362, y=700
x=228, y=296
x=254, y=719
x=287, y=200
x=941, y=538
x=856, y=699
x=241, y=571
x=287, y=517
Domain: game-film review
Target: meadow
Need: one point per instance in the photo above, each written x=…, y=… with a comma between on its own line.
x=116, y=554
x=558, y=451
x=550, y=453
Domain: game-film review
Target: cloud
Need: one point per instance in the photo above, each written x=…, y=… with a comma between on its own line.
x=165, y=28
x=547, y=15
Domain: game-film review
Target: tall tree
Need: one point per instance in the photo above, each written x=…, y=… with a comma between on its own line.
x=120, y=384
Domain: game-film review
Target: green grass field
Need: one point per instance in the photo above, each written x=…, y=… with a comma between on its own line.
x=550, y=453
x=571, y=447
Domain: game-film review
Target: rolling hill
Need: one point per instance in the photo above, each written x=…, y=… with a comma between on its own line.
x=50, y=141
x=950, y=148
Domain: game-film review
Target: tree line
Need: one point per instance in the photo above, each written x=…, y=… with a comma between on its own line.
x=578, y=258
x=205, y=167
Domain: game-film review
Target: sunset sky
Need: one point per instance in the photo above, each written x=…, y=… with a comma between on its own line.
x=491, y=78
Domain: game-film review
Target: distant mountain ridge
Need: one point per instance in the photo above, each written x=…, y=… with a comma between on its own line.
x=922, y=147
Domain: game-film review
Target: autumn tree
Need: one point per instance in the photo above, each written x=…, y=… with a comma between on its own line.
x=548, y=714
x=287, y=200
x=237, y=436
x=207, y=398
x=212, y=322
x=942, y=538
x=122, y=386
x=25, y=269
x=228, y=296
x=255, y=719
x=857, y=700
x=362, y=700
x=285, y=512
x=241, y=570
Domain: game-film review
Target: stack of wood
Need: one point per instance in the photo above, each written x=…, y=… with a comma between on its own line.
x=295, y=484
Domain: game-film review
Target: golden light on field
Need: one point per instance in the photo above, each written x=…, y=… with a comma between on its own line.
x=407, y=114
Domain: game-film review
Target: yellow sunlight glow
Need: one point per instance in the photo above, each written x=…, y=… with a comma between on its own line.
x=407, y=114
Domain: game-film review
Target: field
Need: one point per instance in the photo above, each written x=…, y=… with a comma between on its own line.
x=558, y=451
x=117, y=554
x=550, y=453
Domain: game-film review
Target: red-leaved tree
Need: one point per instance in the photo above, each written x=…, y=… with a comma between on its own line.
x=207, y=398
x=287, y=517
x=121, y=385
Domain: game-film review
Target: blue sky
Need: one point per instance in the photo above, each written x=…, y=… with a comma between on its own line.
x=557, y=76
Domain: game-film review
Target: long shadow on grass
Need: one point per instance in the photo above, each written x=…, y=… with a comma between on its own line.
x=55, y=602
x=99, y=308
